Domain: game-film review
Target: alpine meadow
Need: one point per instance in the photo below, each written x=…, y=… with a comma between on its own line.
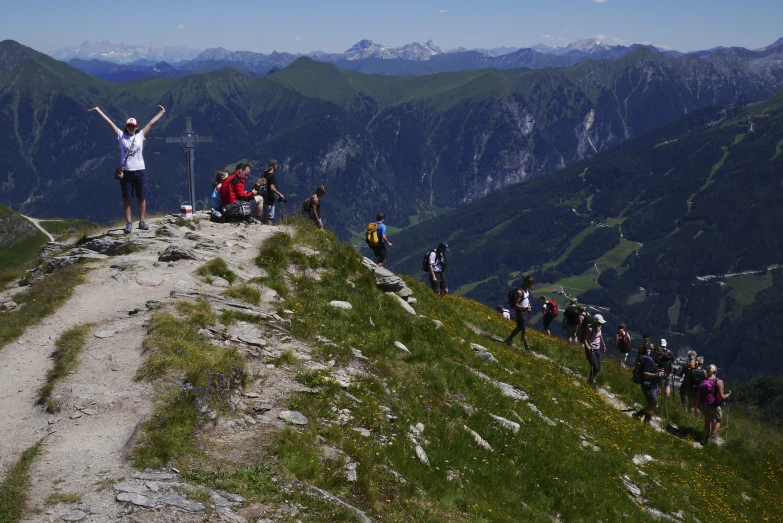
x=515, y=279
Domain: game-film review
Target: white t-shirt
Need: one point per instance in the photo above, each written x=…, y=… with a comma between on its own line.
x=525, y=299
x=436, y=261
x=135, y=158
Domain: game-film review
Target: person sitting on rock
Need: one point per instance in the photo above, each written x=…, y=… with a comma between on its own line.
x=232, y=191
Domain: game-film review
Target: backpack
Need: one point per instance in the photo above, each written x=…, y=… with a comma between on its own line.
x=697, y=377
x=638, y=369
x=425, y=262
x=587, y=322
x=372, y=238
x=307, y=206
x=237, y=211
x=708, y=393
x=553, y=310
x=512, y=297
x=624, y=344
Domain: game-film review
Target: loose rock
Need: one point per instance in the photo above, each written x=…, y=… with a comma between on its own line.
x=344, y=305
x=402, y=347
x=293, y=417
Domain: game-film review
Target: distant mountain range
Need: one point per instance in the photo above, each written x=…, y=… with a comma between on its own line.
x=124, y=54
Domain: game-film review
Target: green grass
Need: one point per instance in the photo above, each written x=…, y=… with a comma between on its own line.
x=42, y=299
x=543, y=466
x=63, y=497
x=287, y=357
x=575, y=242
x=746, y=287
x=464, y=289
x=778, y=151
x=67, y=349
x=68, y=227
x=615, y=257
x=217, y=267
x=711, y=177
x=14, y=487
x=197, y=375
x=247, y=293
x=674, y=313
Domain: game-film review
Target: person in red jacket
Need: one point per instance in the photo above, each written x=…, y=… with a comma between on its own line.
x=233, y=190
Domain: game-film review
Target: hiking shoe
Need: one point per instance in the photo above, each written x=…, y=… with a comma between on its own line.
x=128, y=228
x=595, y=386
x=638, y=414
x=647, y=418
x=528, y=349
x=143, y=226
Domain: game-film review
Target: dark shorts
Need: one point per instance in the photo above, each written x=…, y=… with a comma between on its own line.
x=439, y=283
x=134, y=185
x=651, y=393
x=380, y=253
x=521, y=317
x=548, y=321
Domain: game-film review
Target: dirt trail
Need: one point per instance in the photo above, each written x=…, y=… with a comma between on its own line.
x=37, y=223
x=101, y=404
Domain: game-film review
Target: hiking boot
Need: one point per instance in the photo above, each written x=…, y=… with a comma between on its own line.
x=595, y=386
x=143, y=226
x=648, y=418
x=528, y=349
x=638, y=414
x=128, y=228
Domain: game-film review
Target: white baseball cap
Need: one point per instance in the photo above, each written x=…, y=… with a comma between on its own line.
x=600, y=319
x=131, y=121
x=663, y=342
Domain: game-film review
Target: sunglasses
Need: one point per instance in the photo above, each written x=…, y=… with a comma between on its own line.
x=131, y=125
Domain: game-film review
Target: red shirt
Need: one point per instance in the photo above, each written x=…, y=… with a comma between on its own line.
x=233, y=189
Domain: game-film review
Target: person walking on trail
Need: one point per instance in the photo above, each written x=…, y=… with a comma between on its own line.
x=520, y=301
x=594, y=341
x=648, y=375
x=133, y=176
x=376, y=238
x=503, y=311
x=233, y=193
x=689, y=365
x=571, y=320
x=268, y=210
x=623, y=344
x=693, y=378
x=549, y=313
x=313, y=206
x=437, y=262
x=711, y=398
x=667, y=360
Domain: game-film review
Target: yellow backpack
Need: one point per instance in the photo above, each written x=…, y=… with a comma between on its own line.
x=371, y=237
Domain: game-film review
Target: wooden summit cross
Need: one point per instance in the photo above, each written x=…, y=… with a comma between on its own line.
x=189, y=140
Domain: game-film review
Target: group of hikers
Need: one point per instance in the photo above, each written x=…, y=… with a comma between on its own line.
x=229, y=200
x=654, y=368
x=700, y=391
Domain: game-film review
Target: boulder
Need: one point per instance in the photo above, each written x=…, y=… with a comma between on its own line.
x=293, y=417
x=344, y=305
x=404, y=304
x=385, y=279
x=174, y=253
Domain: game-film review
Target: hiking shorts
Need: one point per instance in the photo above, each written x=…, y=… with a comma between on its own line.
x=547, y=322
x=380, y=253
x=439, y=283
x=712, y=412
x=571, y=330
x=134, y=184
x=666, y=381
x=268, y=211
x=651, y=393
x=521, y=317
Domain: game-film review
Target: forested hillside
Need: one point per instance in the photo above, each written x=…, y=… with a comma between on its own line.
x=676, y=232
x=410, y=146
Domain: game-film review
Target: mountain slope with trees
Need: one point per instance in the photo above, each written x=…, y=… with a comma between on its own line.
x=675, y=232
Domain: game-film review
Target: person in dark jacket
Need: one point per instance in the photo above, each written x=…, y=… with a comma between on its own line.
x=651, y=384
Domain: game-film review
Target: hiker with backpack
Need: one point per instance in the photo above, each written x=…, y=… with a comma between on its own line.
x=311, y=207
x=133, y=173
x=268, y=209
x=711, y=398
x=593, y=342
x=623, y=344
x=694, y=377
x=519, y=300
x=689, y=365
x=571, y=320
x=238, y=202
x=647, y=374
x=376, y=238
x=550, y=312
x=667, y=360
x=435, y=263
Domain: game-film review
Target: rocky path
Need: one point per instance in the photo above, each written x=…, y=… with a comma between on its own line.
x=86, y=443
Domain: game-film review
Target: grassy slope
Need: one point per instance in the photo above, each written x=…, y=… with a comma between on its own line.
x=533, y=475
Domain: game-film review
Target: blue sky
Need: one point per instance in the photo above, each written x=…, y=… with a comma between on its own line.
x=308, y=25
